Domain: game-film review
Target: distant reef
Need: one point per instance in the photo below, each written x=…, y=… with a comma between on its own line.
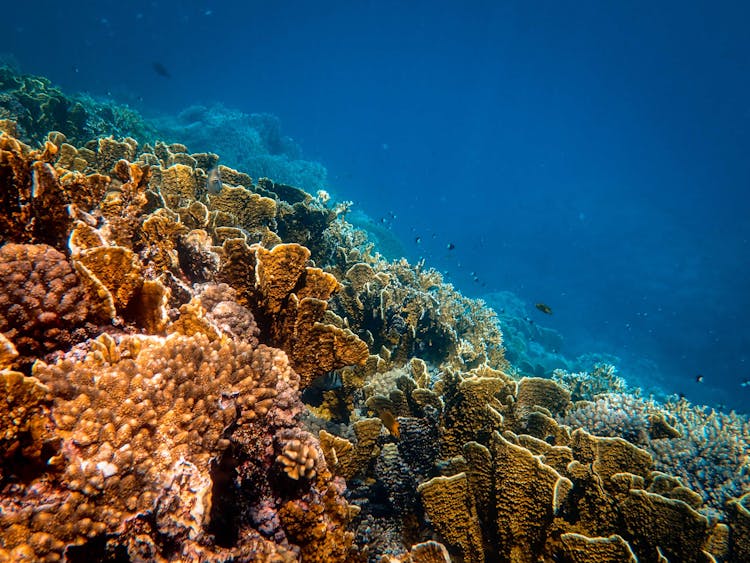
x=195, y=371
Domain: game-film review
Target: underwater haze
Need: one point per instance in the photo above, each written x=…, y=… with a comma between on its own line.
x=592, y=157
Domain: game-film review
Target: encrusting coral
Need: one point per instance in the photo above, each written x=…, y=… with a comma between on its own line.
x=158, y=338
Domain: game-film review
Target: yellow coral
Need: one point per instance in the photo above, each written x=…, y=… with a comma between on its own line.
x=450, y=505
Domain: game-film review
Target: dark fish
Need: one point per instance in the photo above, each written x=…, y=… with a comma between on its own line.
x=160, y=69
x=699, y=378
x=213, y=181
x=544, y=308
x=418, y=240
x=451, y=246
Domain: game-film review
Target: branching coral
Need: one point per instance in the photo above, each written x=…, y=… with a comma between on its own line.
x=706, y=449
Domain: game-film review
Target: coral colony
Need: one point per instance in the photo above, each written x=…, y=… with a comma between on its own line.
x=236, y=374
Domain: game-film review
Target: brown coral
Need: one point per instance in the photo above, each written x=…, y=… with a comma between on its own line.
x=450, y=505
x=528, y=495
x=44, y=305
x=252, y=212
x=740, y=528
x=290, y=297
x=31, y=197
x=139, y=433
x=581, y=549
x=117, y=268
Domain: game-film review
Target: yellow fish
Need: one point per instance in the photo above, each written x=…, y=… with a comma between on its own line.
x=390, y=422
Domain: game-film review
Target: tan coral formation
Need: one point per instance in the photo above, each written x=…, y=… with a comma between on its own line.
x=292, y=296
x=449, y=504
x=23, y=418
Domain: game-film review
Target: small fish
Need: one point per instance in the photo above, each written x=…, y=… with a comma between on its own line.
x=160, y=69
x=213, y=181
x=390, y=422
x=745, y=383
x=451, y=246
x=546, y=309
x=699, y=378
x=418, y=240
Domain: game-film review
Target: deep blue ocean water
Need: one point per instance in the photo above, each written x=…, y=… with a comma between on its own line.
x=592, y=156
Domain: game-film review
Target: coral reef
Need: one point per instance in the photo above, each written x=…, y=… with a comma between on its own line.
x=705, y=448
x=233, y=372
x=146, y=405
x=37, y=107
x=247, y=142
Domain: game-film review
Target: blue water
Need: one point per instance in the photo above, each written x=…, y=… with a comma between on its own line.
x=592, y=156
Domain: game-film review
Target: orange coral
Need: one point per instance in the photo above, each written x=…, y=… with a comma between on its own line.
x=23, y=417
x=291, y=297
x=298, y=459
x=139, y=433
